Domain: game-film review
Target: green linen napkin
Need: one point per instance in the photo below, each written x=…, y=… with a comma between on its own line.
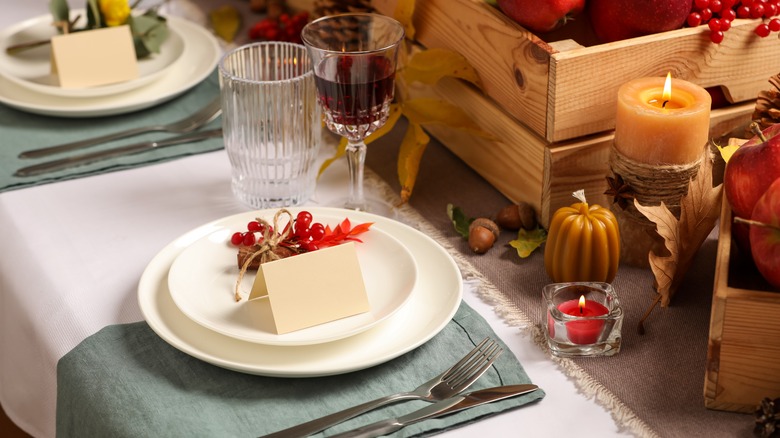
x=21, y=131
x=126, y=381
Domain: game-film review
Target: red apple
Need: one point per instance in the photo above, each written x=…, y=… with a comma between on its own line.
x=749, y=172
x=615, y=20
x=765, y=240
x=541, y=16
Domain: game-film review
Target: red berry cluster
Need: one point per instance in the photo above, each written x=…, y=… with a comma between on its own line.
x=306, y=235
x=718, y=15
x=285, y=28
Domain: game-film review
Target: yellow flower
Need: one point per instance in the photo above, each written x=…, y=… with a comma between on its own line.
x=115, y=12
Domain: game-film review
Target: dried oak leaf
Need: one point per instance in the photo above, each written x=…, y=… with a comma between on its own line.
x=700, y=208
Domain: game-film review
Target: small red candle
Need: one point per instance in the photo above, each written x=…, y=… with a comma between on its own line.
x=586, y=331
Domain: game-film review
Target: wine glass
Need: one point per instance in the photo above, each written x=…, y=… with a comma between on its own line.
x=354, y=57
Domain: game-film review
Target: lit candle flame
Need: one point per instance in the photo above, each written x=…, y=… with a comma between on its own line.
x=667, y=89
x=582, y=303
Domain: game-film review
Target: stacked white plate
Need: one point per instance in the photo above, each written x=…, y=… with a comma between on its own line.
x=187, y=297
x=186, y=58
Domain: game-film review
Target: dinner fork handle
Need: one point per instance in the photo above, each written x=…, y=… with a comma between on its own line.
x=314, y=426
x=81, y=144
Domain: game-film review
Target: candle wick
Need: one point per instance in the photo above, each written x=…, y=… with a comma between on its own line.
x=664, y=104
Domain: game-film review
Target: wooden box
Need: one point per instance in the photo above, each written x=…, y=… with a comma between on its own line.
x=743, y=356
x=551, y=103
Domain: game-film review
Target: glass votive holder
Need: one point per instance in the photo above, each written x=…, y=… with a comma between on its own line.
x=582, y=319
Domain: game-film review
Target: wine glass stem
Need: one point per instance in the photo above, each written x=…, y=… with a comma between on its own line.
x=356, y=159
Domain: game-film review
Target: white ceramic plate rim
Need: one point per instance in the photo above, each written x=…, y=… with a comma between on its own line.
x=17, y=71
x=436, y=298
x=199, y=59
x=202, y=279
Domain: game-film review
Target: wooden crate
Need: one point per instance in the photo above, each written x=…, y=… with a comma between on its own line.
x=563, y=85
x=743, y=357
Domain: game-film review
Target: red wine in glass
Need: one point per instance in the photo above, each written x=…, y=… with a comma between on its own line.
x=355, y=92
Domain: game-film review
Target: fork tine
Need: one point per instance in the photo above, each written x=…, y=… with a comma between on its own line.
x=457, y=367
x=467, y=377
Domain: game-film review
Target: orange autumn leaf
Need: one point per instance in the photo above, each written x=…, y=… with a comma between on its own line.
x=404, y=11
x=395, y=114
x=428, y=66
x=412, y=147
x=700, y=209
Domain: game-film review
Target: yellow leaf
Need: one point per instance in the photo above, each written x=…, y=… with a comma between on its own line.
x=392, y=119
x=404, y=10
x=412, y=147
x=699, y=209
x=528, y=241
x=423, y=111
x=727, y=151
x=225, y=21
x=428, y=66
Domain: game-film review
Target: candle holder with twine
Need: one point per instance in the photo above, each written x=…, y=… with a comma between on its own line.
x=649, y=184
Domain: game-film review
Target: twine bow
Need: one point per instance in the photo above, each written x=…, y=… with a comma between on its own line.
x=266, y=249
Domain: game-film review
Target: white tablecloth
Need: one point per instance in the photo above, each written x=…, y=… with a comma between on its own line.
x=72, y=254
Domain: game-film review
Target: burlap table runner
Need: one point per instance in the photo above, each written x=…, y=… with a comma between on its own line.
x=654, y=386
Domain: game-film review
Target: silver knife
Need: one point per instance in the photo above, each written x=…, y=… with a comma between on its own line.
x=444, y=407
x=78, y=160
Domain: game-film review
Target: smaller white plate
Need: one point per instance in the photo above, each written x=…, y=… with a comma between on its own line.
x=31, y=68
x=202, y=282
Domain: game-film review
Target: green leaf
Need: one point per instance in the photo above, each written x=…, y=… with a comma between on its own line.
x=94, y=19
x=59, y=10
x=528, y=241
x=459, y=220
x=149, y=33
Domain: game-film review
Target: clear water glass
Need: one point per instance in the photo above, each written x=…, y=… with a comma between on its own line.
x=271, y=123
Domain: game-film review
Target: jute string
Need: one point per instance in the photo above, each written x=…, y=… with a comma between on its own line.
x=653, y=183
x=265, y=249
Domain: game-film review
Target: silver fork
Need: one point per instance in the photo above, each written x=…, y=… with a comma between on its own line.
x=448, y=384
x=183, y=126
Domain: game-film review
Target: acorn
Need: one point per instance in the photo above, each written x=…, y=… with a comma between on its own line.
x=483, y=233
x=516, y=216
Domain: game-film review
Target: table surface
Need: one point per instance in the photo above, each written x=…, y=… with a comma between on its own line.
x=58, y=285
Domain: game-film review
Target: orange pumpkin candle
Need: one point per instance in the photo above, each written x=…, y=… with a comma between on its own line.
x=662, y=121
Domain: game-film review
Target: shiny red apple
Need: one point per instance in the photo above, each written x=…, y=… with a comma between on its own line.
x=615, y=20
x=765, y=239
x=749, y=172
x=541, y=16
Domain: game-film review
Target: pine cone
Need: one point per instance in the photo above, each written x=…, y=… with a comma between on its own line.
x=767, y=111
x=333, y=7
x=768, y=418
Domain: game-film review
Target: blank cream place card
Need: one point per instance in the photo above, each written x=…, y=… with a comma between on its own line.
x=312, y=288
x=94, y=57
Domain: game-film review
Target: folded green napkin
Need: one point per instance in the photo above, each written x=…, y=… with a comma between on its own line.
x=21, y=131
x=126, y=381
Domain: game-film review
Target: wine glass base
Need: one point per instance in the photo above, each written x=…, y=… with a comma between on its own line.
x=369, y=205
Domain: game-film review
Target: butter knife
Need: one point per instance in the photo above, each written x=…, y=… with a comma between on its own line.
x=91, y=157
x=444, y=407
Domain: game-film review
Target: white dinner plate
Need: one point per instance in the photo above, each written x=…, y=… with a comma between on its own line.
x=31, y=69
x=434, y=300
x=199, y=58
x=202, y=283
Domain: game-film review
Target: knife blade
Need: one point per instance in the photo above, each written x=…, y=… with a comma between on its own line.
x=444, y=407
x=91, y=157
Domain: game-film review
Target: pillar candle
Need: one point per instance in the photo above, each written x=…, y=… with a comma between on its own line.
x=655, y=129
